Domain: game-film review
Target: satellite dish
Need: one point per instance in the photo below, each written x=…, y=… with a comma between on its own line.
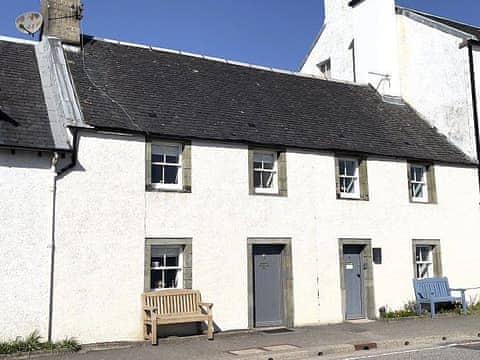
x=29, y=23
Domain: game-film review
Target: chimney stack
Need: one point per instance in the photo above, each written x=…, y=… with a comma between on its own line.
x=62, y=20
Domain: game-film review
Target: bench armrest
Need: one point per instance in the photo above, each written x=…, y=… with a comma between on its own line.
x=150, y=308
x=207, y=307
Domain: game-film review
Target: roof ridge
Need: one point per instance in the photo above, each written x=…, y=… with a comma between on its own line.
x=420, y=12
x=18, y=40
x=224, y=60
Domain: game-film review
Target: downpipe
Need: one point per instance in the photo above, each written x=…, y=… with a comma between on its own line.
x=57, y=175
x=52, y=244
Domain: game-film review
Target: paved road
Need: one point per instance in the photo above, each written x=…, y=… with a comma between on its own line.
x=449, y=352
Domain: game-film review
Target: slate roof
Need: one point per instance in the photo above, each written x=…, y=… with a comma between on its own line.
x=173, y=95
x=469, y=29
x=24, y=120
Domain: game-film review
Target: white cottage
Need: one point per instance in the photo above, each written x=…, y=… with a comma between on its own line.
x=286, y=199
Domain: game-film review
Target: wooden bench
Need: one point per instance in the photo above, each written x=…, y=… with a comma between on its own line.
x=174, y=307
x=436, y=290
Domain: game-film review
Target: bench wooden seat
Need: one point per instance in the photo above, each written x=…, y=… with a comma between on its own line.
x=174, y=306
x=436, y=290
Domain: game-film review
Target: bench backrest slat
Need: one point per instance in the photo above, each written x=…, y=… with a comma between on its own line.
x=170, y=302
x=431, y=288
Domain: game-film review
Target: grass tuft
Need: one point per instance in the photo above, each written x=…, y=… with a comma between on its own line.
x=33, y=343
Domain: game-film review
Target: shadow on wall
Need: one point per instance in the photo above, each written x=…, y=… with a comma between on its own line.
x=34, y=160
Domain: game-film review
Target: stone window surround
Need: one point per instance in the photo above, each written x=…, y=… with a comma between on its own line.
x=281, y=171
x=431, y=183
x=362, y=176
x=436, y=255
x=186, y=159
x=187, y=258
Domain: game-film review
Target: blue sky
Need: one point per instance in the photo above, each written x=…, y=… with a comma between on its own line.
x=274, y=33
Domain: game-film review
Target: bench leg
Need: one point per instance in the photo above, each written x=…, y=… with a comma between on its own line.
x=464, y=303
x=418, y=309
x=210, y=329
x=432, y=309
x=153, y=332
x=145, y=331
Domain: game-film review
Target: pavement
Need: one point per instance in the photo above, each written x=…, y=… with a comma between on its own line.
x=358, y=340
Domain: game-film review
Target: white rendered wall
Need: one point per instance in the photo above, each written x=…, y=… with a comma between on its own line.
x=100, y=241
x=372, y=26
x=476, y=64
x=220, y=215
x=334, y=42
x=436, y=80
x=26, y=184
x=101, y=233
x=375, y=34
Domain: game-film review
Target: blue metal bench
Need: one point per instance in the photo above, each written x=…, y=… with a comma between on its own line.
x=436, y=290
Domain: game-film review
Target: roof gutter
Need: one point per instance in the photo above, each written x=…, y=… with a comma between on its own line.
x=470, y=44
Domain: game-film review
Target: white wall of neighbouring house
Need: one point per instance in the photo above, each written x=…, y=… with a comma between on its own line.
x=371, y=25
x=375, y=34
x=100, y=241
x=333, y=43
x=425, y=64
x=435, y=80
x=104, y=216
x=476, y=65
x=26, y=188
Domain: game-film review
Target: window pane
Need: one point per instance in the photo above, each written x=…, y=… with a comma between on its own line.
x=156, y=279
x=157, y=149
x=158, y=158
x=263, y=158
x=418, y=255
x=267, y=179
x=426, y=253
x=172, y=159
x=347, y=185
x=157, y=177
x=257, y=165
x=172, y=260
x=350, y=167
x=158, y=261
x=268, y=164
x=341, y=167
x=417, y=190
x=170, y=150
x=171, y=278
x=423, y=270
x=171, y=175
x=257, y=179
x=257, y=157
x=417, y=173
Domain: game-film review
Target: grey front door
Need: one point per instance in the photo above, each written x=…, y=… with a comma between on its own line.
x=353, y=278
x=268, y=291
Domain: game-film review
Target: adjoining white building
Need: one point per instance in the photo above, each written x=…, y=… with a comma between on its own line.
x=431, y=62
x=286, y=199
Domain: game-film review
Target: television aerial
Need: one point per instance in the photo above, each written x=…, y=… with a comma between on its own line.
x=29, y=23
